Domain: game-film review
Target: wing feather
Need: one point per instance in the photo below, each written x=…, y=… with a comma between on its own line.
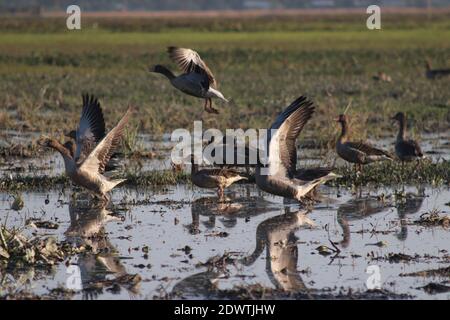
x=289, y=124
x=368, y=149
x=91, y=128
x=187, y=59
x=99, y=157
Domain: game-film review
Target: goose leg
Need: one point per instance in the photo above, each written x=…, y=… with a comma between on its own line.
x=210, y=109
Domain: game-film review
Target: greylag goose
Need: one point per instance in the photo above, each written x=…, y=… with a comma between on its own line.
x=435, y=73
x=99, y=134
x=214, y=178
x=85, y=166
x=359, y=153
x=406, y=149
x=197, y=79
x=278, y=176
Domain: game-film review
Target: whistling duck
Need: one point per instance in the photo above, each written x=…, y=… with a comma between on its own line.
x=197, y=79
x=85, y=166
x=359, y=153
x=406, y=149
x=278, y=176
x=214, y=178
x=435, y=73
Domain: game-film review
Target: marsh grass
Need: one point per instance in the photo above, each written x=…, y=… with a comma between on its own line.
x=261, y=69
x=376, y=175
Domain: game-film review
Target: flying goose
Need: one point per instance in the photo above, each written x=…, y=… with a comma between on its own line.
x=359, y=153
x=435, y=73
x=197, y=79
x=278, y=176
x=406, y=149
x=85, y=166
x=214, y=178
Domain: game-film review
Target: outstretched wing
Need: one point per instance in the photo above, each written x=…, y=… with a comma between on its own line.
x=187, y=59
x=288, y=125
x=91, y=128
x=99, y=157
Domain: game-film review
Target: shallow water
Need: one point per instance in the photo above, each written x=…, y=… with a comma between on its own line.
x=274, y=243
x=435, y=146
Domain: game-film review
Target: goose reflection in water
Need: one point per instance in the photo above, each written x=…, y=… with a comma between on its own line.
x=410, y=204
x=230, y=210
x=277, y=235
x=357, y=209
x=87, y=228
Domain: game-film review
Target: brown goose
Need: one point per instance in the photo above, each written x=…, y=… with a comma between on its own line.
x=214, y=178
x=197, y=79
x=278, y=176
x=359, y=153
x=85, y=166
x=98, y=135
x=435, y=73
x=406, y=149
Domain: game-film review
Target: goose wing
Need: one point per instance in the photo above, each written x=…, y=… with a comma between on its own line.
x=187, y=59
x=288, y=125
x=368, y=149
x=411, y=147
x=91, y=128
x=99, y=157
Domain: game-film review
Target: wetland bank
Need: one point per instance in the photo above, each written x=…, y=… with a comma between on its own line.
x=161, y=237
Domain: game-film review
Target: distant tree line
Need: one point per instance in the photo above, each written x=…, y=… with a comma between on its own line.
x=158, y=5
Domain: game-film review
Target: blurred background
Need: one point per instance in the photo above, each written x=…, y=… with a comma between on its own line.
x=264, y=53
x=39, y=6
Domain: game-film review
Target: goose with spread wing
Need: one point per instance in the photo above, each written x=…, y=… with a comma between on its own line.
x=406, y=149
x=99, y=133
x=359, y=153
x=197, y=79
x=86, y=164
x=280, y=175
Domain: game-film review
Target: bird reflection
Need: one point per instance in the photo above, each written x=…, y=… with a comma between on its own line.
x=87, y=228
x=203, y=284
x=277, y=235
x=408, y=205
x=357, y=209
x=230, y=209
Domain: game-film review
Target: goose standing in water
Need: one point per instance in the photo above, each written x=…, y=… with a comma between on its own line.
x=435, y=73
x=359, y=153
x=197, y=79
x=278, y=177
x=214, y=178
x=406, y=149
x=86, y=163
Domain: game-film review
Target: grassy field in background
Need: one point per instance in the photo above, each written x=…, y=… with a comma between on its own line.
x=261, y=67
